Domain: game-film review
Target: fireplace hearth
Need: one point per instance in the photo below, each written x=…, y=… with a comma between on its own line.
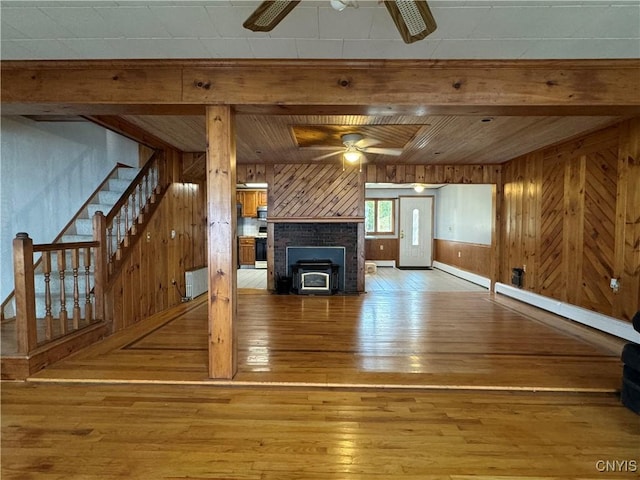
x=336, y=242
x=315, y=277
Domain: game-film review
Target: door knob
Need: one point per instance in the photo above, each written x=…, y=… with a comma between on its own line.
x=401, y=233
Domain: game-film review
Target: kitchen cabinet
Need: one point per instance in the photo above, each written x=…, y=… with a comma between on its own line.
x=247, y=250
x=250, y=200
x=262, y=198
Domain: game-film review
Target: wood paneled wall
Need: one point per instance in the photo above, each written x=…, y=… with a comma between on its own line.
x=316, y=192
x=381, y=249
x=572, y=220
x=433, y=173
x=473, y=257
x=394, y=173
x=143, y=286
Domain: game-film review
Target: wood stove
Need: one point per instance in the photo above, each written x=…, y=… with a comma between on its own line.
x=319, y=277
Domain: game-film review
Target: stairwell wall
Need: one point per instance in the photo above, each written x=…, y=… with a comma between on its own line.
x=173, y=241
x=47, y=171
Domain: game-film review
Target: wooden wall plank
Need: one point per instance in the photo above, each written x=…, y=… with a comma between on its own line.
x=475, y=258
x=315, y=191
x=580, y=201
x=627, y=241
x=381, y=249
x=143, y=285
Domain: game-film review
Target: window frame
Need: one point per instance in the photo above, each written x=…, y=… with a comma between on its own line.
x=375, y=213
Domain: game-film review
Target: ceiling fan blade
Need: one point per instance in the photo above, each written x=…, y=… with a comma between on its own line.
x=327, y=155
x=269, y=14
x=367, y=142
x=413, y=18
x=319, y=147
x=384, y=151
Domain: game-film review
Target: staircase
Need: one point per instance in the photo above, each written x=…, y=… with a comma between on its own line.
x=80, y=229
x=58, y=306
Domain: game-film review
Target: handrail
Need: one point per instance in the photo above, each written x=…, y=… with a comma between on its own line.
x=129, y=213
x=54, y=247
x=132, y=187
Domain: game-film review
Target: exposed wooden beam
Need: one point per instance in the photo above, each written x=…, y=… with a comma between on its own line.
x=222, y=248
x=500, y=87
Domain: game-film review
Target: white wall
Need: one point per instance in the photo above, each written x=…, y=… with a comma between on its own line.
x=47, y=171
x=464, y=213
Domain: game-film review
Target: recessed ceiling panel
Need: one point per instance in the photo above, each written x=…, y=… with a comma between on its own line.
x=388, y=136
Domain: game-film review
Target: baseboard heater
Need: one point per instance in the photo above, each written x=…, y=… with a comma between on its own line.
x=196, y=282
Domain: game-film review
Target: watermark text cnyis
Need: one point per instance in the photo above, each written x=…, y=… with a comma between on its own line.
x=617, y=466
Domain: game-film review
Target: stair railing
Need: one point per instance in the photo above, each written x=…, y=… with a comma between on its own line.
x=7, y=308
x=130, y=212
x=81, y=268
x=65, y=267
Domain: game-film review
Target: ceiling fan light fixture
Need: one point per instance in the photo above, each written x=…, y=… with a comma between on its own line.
x=352, y=156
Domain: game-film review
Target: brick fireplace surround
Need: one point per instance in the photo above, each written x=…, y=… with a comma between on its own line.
x=319, y=235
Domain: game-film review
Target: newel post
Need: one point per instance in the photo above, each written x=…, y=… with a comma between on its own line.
x=100, y=265
x=25, y=293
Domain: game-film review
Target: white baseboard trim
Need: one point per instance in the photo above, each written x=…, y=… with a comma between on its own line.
x=601, y=322
x=471, y=277
x=383, y=263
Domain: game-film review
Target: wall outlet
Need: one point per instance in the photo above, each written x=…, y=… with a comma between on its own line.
x=459, y=254
x=381, y=247
x=615, y=285
x=524, y=267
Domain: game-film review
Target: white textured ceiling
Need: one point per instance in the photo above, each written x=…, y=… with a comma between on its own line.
x=467, y=29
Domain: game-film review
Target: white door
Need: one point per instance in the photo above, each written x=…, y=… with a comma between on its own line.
x=416, y=231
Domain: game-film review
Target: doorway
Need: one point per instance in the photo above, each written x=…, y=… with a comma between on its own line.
x=416, y=232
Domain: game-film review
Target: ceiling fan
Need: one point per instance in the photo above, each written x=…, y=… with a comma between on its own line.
x=355, y=149
x=413, y=18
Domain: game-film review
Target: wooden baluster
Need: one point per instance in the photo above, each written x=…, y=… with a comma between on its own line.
x=134, y=216
x=118, y=220
x=88, y=311
x=140, y=204
x=125, y=240
x=75, y=266
x=48, y=318
x=109, y=247
x=62, y=266
x=26, y=328
x=146, y=190
x=154, y=180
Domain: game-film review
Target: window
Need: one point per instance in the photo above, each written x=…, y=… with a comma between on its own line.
x=379, y=216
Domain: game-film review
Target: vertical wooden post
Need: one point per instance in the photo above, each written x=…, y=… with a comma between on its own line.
x=100, y=272
x=222, y=247
x=25, y=293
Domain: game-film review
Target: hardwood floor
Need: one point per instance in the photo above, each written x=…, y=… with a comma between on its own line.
x=171, y=432
x=388, y=385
